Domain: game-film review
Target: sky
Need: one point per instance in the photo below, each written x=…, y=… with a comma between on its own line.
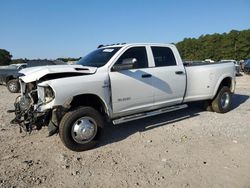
x=72, y=28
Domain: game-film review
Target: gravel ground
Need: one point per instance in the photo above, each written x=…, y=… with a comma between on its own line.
x=187, y=148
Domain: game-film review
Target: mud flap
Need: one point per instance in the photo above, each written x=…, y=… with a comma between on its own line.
x=52, y=128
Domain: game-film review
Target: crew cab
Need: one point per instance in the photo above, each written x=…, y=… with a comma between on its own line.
x=117, y=83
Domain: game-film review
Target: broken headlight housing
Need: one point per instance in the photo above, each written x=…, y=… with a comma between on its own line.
x=46, y=94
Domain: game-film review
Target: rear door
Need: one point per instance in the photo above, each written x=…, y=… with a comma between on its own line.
x=168, y=77
x=132, y=89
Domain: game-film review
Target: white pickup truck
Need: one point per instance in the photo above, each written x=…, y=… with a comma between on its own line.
x=117, y=83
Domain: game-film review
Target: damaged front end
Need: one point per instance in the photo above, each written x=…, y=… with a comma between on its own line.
x=36, y=106
x=28, y=107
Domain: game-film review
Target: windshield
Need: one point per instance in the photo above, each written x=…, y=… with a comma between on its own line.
x=99, y=57
x=12, y=67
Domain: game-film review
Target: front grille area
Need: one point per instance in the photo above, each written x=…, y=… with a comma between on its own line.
x=31, y=89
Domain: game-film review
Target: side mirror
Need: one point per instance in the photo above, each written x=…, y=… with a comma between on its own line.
x=125, y=65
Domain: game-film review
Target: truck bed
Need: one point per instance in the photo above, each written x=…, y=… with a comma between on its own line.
x=203, y=79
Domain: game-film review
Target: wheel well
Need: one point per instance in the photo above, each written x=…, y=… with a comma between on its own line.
x=9, y=78
x=226, y=82
x=89, y=100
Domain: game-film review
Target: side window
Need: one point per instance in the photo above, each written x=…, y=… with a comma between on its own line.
x=163, y=56
x=22, y=67
x=139, y=53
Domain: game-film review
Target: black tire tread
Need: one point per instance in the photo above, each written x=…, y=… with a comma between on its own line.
x=65, y=135
x=216, y=101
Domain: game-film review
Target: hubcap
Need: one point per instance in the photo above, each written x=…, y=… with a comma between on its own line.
x=12, y=86
x=84, y=130
x=225, y=98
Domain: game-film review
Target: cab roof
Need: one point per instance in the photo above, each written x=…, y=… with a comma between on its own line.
x=134, y=44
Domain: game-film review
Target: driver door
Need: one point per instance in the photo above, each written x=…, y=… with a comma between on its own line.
x=132, y=87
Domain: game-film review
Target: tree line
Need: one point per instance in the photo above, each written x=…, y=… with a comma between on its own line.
x=232, y=45
x=5, y=57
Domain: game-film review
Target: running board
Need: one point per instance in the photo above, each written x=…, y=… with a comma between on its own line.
x=148, y=114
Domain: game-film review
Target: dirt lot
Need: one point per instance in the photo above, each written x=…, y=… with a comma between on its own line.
x=187, y=148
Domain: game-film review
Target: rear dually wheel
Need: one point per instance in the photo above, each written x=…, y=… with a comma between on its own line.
x=223, y=100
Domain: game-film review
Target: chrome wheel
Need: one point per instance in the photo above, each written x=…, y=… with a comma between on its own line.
x=225, y=99
x=12, y=86
x=84, y=130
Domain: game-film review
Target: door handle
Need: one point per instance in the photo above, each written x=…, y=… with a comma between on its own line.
x=179, y=72
x=146, y=75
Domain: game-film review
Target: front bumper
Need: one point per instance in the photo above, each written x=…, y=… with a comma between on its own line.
x=35, y=107
x=27, y=114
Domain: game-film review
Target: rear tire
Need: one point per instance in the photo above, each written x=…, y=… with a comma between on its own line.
x=223, y=100
x=13, y=86
x=81, y=128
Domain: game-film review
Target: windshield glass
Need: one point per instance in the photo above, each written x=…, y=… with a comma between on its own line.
x=12, y=67
x=99, y=57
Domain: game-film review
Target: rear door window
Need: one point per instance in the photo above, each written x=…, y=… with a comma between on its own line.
x=163, y=56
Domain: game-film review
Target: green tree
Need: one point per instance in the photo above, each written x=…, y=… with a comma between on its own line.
x=18, y=61
x=68, y=59
x=232, y=45
x=243, y=44
x=5, y=57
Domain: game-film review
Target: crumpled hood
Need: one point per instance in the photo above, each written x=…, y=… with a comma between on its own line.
x=35, y=73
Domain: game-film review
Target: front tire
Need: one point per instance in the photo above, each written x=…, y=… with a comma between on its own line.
x=13, y=86
x=223, y=100
x=81, y=128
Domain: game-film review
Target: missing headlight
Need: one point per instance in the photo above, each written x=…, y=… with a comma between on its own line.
x=45, y=94
x=48, y=94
